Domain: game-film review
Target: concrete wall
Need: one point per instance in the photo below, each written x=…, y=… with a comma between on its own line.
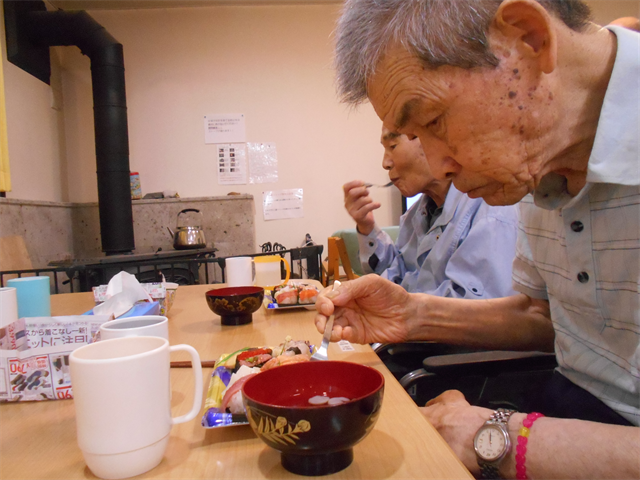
x=62, y=231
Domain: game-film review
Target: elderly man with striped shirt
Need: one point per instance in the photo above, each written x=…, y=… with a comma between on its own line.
x=510, y=98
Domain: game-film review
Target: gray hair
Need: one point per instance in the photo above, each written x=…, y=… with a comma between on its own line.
x=437, y=32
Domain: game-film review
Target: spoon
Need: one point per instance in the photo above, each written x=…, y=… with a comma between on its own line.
x=369, y=185
x=321, y=352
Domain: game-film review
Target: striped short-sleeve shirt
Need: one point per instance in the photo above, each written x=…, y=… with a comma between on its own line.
x=583, y=253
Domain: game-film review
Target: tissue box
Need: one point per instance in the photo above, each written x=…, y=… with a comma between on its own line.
x=138, y=310
x=163, y=293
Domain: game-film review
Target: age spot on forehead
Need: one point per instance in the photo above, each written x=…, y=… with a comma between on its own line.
x=512, y=94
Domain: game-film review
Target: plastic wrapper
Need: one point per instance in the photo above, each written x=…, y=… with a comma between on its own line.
x=213, y=417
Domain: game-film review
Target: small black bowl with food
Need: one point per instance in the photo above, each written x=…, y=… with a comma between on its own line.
x=314, y=413
x=235, y=305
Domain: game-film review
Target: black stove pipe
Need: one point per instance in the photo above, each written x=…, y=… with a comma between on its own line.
x=67, y=28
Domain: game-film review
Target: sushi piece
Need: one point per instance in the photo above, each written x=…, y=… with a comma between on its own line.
x=254, y=357
x=308, y=294
x=286, y=295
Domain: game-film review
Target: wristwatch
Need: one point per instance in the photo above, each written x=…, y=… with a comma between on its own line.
x=492, y=443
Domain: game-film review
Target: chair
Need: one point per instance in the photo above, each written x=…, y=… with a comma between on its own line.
x=14, y=255
x=487, y=378
x=350, y=238
x=336, y=256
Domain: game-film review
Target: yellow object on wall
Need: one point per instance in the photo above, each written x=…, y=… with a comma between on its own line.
x=5, y=174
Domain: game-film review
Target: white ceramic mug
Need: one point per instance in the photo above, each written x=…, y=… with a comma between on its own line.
x=142, y=326
x=239, y=271
x=122, y=401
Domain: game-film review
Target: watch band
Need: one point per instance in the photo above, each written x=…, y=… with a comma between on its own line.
x=490, y=470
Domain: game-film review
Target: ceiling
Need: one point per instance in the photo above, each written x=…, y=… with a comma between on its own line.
x=140, y=4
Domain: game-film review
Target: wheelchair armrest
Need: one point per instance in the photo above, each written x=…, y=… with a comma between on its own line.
x=425, y=349
x=487, y=362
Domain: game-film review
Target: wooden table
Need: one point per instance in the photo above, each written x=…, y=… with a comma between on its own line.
x=39, y=438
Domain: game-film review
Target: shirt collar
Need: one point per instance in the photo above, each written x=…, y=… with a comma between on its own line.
x=615, y=153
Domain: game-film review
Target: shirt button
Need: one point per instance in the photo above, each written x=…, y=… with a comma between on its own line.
x=577, y=226
x=583, y=277
x=371, y=244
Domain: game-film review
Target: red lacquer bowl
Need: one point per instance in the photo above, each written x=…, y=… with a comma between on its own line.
x=235, y=305
x=314, y=440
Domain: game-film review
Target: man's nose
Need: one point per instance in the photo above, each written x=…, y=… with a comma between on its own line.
x=443, y=167
x=441, y=164
x=387, y=162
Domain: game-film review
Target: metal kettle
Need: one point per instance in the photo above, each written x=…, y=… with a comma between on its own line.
x=189, y=233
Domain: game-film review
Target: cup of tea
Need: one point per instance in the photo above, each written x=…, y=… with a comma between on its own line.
x=122, y=400
x=142, y=326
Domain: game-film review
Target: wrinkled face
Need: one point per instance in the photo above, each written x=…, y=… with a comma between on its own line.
x=481, y=127
x=405, y=161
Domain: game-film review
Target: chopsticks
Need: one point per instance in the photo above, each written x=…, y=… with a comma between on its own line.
x=187, y=364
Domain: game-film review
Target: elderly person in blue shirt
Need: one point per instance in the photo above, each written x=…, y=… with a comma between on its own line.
x=449, y=245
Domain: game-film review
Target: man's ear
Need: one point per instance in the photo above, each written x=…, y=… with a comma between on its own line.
x=529, y=24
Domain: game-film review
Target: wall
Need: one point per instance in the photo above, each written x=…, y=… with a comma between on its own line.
x=272, y=63
x=605, y=11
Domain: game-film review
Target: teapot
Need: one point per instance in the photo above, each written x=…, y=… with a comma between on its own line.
x=189, y=233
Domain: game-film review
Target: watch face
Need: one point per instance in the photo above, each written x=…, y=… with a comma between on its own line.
x=490, y=443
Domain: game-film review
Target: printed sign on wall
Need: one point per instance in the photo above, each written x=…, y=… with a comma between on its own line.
x=232, y=163
x=278, y=204
x=224, y=128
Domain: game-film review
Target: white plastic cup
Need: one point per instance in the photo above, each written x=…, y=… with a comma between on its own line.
x=122, y=401
x=8, y=306
x=238, y=271
x=142, y=326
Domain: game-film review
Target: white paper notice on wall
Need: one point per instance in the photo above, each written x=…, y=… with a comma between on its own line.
x=224, y=128
x=279, y=204
x=231, y=163
x=263, y=162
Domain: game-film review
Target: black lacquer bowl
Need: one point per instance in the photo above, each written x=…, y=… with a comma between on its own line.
x=235, y=305
x=314, y=439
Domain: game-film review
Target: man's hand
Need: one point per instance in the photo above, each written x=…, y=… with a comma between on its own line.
x=360, y=205
x=368, y=309
x=457, y=421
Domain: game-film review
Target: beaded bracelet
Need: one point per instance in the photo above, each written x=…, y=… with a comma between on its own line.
x=521, y=448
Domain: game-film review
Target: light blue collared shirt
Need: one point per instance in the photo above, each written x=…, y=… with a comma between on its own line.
x=466, y=253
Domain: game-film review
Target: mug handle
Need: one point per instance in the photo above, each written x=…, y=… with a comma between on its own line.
x=286, y=264
x=197, y=377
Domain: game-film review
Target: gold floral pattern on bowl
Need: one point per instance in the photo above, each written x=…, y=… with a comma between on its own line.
x=242, y=306
x=280, y=430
